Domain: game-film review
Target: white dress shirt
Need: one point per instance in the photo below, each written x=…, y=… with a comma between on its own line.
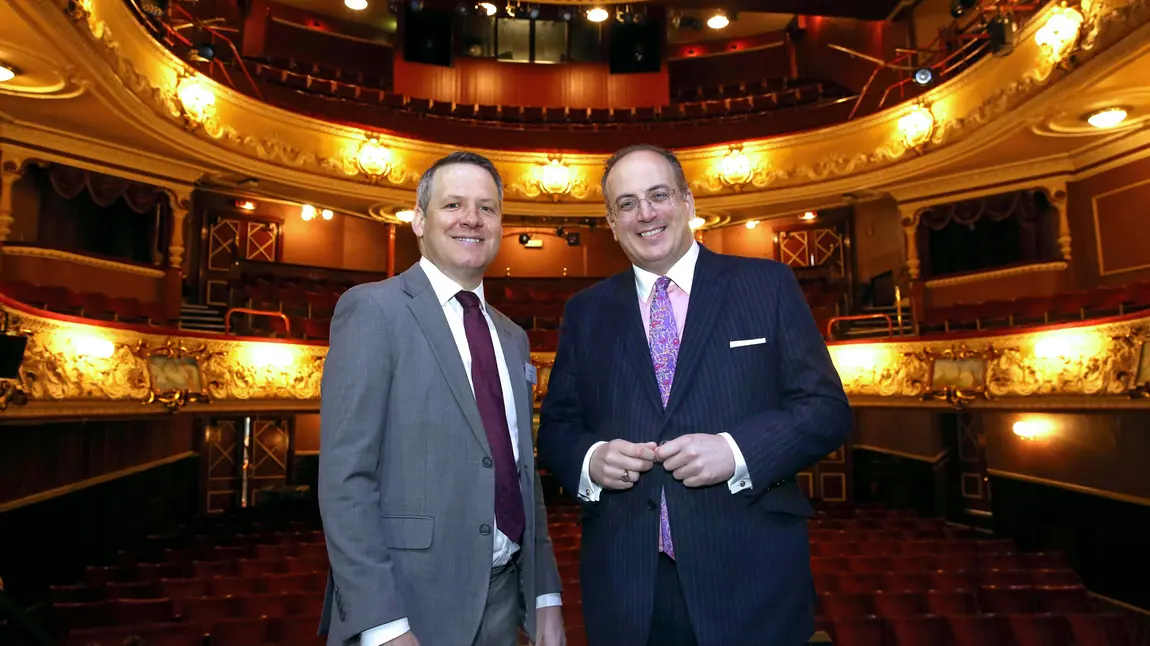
x=445, y=290
x=682, y=274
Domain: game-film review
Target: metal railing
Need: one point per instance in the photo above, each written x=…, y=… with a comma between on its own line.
x=252, y=312
x=861, y=317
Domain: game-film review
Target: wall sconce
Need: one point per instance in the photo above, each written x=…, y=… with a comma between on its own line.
x=197, y=100
x=736, y=169
x=373, y=159
x=1060, y=33
x=751, y=224
x=554, y=179
x=916, y=126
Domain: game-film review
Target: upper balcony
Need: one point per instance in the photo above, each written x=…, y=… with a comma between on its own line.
x=553, y=76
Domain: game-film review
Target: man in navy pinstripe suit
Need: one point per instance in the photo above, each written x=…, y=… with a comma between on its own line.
x=685, y=396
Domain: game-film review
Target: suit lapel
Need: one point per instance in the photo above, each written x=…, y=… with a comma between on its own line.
x=429, y=315
x=634, y=337
x=708, y=292
x=515, y=364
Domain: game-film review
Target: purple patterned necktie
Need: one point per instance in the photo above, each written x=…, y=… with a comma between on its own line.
x=664, y=341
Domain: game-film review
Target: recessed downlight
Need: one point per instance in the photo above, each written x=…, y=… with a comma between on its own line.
x=355, y=5
x=718, y=21
x=7, y=73
x=1108, y=118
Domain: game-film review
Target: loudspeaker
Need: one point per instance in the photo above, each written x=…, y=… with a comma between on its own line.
x=427, y=37
x=636, y=47
x=11, y=355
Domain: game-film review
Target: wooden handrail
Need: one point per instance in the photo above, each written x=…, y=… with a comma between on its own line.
x=247, y=310
x=861, y=317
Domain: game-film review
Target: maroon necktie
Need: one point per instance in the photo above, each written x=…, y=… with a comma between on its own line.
x=509, y=515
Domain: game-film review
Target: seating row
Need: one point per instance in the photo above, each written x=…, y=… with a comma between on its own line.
x=1104, y=301
x=807, y=94
x=91, y=305
x=980, y=630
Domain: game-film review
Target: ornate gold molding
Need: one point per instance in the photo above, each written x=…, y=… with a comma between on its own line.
x=995, y=87
x=79, y=259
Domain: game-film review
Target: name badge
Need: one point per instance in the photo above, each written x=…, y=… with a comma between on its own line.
x=532, y=378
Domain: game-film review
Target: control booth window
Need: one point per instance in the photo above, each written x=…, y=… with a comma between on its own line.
x=513, y=40
x=550, y=41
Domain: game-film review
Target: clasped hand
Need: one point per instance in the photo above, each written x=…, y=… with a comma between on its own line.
x=697, y=460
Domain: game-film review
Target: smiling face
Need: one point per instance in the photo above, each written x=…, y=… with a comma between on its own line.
x=461, y=227
x=650, y=211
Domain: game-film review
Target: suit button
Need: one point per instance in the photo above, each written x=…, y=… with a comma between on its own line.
x=651, y=504
x=487, y=462
x=485, y=529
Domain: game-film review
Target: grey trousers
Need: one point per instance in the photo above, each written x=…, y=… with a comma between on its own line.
x=504, y=613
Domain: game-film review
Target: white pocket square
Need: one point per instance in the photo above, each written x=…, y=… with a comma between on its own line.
x=746, y=342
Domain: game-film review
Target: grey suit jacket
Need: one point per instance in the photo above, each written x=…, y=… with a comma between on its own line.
x=406, y=487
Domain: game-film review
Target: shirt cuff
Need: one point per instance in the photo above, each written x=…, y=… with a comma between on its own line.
x=380, y=635
x=742, y=478
x=589, y=491
x=548, y=600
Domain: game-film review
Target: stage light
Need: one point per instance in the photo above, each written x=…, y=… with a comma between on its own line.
x=923, y=76
x=597, y=14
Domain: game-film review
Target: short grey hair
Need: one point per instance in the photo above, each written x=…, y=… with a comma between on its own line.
x=423, y=191
x=676, y=166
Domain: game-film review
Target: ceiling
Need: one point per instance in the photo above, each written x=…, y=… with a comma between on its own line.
x=861, y=9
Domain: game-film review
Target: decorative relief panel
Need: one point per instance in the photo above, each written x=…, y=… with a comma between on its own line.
x=71, y=363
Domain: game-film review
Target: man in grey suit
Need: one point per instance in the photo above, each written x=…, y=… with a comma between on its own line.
x=431, y=503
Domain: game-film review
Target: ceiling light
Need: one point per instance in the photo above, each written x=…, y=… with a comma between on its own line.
x=718, y=21
x=355, y=5
x=598, y=14
x=6, y=73
x=327, y=214
x=696, y=223
x=487, y=8
x=1107, y=118
x=751, y=224
x=307, y=212
x=809, y=215
x=406, y=215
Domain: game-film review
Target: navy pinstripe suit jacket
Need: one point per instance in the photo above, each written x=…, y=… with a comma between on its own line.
x=743, y=558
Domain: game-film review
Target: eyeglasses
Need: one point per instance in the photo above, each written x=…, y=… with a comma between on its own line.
x=657, y=199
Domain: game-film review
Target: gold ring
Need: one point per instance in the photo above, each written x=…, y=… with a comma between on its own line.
x=626, y=476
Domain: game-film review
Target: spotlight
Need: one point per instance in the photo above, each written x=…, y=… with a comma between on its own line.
x=923, y=76
x=597, y=14
x=718, y=21
x=524, y=238
x=533, y=12
x=959, y=7
x=487, y=8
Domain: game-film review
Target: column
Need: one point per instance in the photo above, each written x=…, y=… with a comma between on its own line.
x=391, y=249
x=10, y=171
x=909, y=220
x=1057, y=195
x=181, y=204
